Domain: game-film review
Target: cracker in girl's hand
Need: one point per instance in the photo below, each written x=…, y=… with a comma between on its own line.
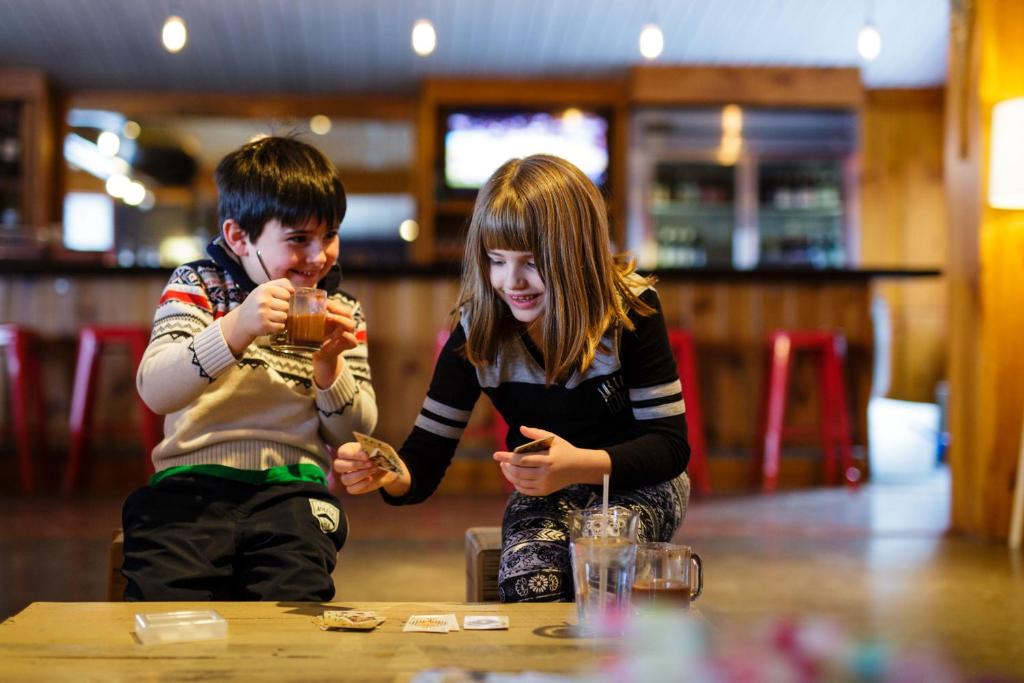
x=381, y=453
x=542, y=445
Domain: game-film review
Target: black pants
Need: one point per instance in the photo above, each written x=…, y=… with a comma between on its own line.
x=196, y=537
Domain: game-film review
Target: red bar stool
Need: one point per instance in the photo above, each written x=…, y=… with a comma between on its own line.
x=835, y=424
x=90, y=342
x=681, y=342
x=26, y=389
x=496, y=429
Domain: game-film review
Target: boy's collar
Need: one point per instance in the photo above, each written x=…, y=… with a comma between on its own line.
x=218, y=250
x=226, y=259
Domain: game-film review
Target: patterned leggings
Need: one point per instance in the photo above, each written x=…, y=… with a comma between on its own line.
x=535, y=562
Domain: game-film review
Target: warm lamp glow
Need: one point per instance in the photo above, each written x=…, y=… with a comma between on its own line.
x=424, y=38
x=732, y=120
x=409, y=230
x=652, y=41
x=320, y=124
x=1006, y=165
x=108, y=143
x=174, y=34
x=869, y=42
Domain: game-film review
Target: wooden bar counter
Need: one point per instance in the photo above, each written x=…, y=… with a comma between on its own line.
x=729, y=313
x=280, y=642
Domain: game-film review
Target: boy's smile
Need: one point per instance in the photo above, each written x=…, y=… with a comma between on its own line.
x=302, y=254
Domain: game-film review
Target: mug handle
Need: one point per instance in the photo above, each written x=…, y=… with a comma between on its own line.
x=695, y=561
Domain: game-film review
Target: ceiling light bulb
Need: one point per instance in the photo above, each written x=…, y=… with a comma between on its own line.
x=134, y=193
x=320, y=124
x=131, y=130
x=117, y=185
x=409, y=230
x=652, y=41
x=869, y=42
x=424, y=39
x=174, y=34
x=108, y=143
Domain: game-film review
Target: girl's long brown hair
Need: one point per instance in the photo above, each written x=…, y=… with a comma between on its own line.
x=545, y=205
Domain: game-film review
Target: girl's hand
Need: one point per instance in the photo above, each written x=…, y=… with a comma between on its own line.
x=264, y=311
x=359, y=475
x=341, y=336
x=540, y=474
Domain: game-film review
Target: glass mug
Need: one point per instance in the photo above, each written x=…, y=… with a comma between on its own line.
x=667, y=575
x=603, y=550
x=307, y=321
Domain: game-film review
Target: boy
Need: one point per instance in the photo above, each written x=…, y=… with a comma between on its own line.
x=238, y=508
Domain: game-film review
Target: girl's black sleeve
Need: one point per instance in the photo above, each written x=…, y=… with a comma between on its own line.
x=660, y=452
x=428, y=450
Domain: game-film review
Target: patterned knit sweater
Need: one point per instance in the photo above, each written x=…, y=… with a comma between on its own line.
x=255, y=412
x=628, y=402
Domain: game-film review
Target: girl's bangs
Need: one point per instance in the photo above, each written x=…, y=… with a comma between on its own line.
x=504, y=227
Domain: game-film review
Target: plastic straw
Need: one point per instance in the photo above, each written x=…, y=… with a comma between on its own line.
x=604, y=507
x=603, y=579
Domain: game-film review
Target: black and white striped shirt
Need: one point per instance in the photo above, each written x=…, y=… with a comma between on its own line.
x=629, y=402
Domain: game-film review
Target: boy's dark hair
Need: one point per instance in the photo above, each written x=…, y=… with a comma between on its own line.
x=282, y=178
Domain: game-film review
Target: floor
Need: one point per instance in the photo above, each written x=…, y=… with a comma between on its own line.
x=876, y=561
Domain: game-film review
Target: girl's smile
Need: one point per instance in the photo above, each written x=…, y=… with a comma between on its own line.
x=515, y=277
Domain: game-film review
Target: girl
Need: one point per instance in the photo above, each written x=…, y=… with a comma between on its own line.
x=568, y=342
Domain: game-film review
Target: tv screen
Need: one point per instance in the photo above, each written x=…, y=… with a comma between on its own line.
x=476, y=142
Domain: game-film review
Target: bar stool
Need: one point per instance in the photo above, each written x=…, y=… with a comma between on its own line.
x=681, y=342
x=26, y=391
x=834, y=419
x=496, y=429
x=90, y=342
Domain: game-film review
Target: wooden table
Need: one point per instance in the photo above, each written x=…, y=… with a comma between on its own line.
x=278, y=641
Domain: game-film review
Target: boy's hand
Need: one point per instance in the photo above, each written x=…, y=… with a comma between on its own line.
x=358, y=475
x=264, y=311
x=340, y=336
x=540, y=474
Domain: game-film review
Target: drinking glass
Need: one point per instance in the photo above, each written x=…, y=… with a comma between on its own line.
x=307, y=321
x=603, y=548
x=667, y=575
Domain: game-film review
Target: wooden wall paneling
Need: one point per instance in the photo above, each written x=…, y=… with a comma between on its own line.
x=245, y=105
x=904, y=224
x=422, y=250
x=963, y=156
x=729, y=322
x=1001, y=281
x=761, y=86
x=733, y=381
x=403, y=317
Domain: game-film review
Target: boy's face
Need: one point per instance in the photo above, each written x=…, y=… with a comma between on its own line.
x=303, y=254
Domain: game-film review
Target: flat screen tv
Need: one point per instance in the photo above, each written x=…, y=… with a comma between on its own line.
x=478, y=141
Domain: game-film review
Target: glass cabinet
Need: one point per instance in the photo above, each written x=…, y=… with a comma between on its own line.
x=739, y=188
x=11, y=182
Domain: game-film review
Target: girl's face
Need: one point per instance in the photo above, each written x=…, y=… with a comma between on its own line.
x=514, y=276
x=303, y=254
